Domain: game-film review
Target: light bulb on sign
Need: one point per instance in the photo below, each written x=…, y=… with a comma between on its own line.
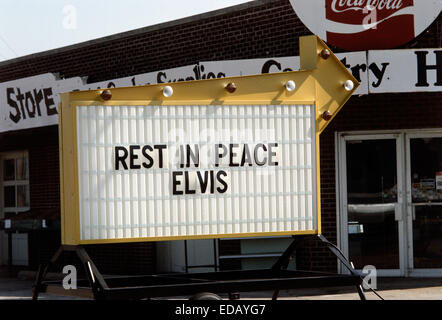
x=290, y=85
x=167, y=91
x=349, y=85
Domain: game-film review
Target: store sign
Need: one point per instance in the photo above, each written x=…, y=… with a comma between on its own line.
x=192, y=160
x=32, y=102
x=417, y=70
x=378, y=71
x=234, y=68
x=185, y=73
x=367, y=24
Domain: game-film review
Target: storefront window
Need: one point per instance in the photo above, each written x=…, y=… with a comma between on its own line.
x=9, y=169
x=426, y=169
x=16, y=197
x=374, y=172
x=426, y=180
x=9, y=196
x=427, y=237
x=23, y=196
x=22, y=169
x=371, y=167
x=373, y=233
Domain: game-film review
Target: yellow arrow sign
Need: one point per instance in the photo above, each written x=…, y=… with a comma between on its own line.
x=117, y=187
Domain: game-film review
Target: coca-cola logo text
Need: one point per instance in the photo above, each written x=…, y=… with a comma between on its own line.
x=360, y=5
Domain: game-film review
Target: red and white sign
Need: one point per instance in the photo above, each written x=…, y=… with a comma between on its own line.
x=367, y=24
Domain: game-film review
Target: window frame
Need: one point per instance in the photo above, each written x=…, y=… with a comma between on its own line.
x=24, y=182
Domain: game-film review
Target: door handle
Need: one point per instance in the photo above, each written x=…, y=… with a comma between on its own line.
x=398, y=212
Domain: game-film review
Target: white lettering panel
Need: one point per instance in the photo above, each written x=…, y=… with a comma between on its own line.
x=189, y=171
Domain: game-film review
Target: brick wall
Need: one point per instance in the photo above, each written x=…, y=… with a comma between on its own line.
x=44, y=178
x=44, y=166
x=265, y=28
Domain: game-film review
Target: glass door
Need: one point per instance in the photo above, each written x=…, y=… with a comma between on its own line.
x=424, y=203
x=371, y=202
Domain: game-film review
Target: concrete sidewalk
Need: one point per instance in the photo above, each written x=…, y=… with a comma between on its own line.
x=387, y=288
x=16, y=289
x=12, y=288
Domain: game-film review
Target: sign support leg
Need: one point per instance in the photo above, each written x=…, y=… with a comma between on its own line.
x=95, y=278
x=341, y=257
x=283, y=261
x=41, y=273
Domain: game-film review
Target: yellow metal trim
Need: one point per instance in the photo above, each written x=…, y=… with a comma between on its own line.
x=206, y=236
x=61, y=168
x=318, y=185
x=320, y=83
x=194, y=103
x=309, y=45
x=68, y=173
x=254, y=89
x=77, y=230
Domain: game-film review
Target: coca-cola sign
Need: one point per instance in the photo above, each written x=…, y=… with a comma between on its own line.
x=367, y=24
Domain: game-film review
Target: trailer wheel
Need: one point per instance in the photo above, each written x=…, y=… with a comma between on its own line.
x=205, y=296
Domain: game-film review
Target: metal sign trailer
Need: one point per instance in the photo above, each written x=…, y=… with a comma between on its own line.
x=110, y=178
x=199, y=286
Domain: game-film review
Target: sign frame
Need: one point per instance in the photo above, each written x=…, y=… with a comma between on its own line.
x=320, y=83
